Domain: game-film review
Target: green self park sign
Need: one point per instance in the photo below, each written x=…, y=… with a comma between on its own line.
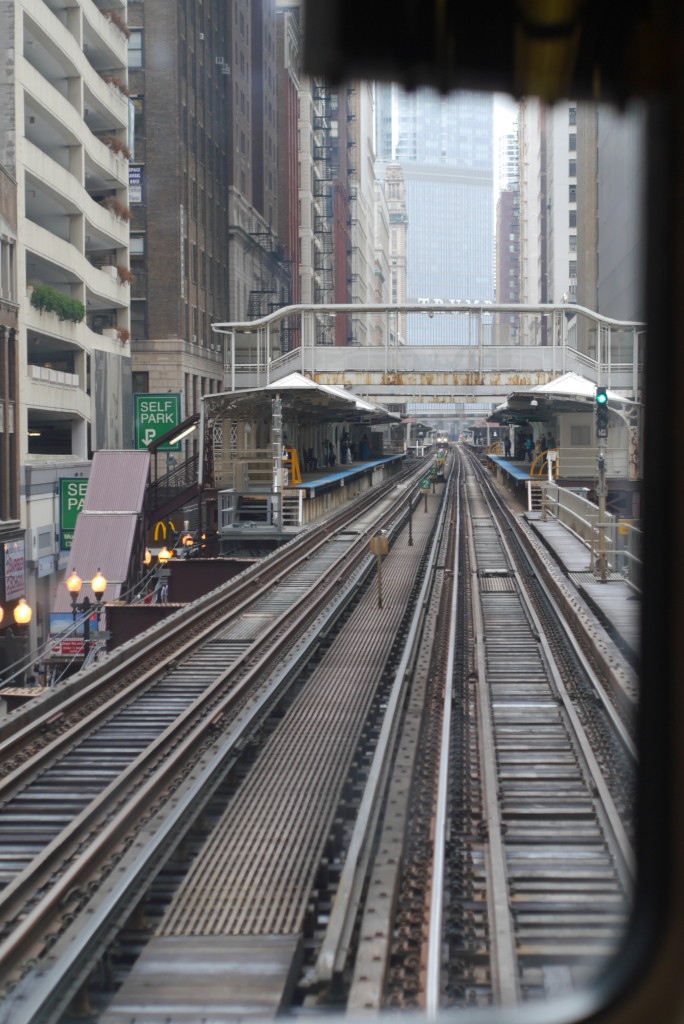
x=154, y=416
x=72, y=491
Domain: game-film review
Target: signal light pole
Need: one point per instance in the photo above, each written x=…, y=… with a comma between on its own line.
x=602, y=490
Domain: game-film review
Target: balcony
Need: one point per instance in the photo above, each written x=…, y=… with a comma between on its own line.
x=53, y=50
x=53, y=125
x=65, y=268
x=53, y=389
x=104, y=45
x=54, y=197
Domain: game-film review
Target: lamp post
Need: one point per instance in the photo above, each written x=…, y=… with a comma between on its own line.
x=163, y=572
x=98, y=585
x=22, y=613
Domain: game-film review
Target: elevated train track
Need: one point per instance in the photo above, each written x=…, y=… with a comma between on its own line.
x=299, y=715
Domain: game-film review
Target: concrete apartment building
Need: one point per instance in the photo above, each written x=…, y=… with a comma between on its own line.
x=64, y=115
x=9, y=381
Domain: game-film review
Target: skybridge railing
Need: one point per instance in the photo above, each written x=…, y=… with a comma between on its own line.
x=454, y=344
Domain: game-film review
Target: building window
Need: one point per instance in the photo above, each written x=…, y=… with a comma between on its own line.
x=135, y=48
x=139, y=116
x=572, y=193
x=580, y=437
x=7, y=269
x=136, y=246
x=138, y=323
x=572, y=168
x=140, y=382
x=573, y=243
x=572, y=218
x=572, y=115
x=572, y=143
x=573, y=268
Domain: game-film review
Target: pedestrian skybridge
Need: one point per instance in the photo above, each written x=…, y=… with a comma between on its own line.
x=433, y=353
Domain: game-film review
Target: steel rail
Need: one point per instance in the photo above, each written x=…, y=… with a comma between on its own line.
x=502, y=929
x=25, y=937
x=507, y=698
x=433, y=981
x=617, y=722
x=335, y=945
x=19, y=731
x=613, y=818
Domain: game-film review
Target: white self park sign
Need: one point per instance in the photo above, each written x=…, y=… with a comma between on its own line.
x=154, y=416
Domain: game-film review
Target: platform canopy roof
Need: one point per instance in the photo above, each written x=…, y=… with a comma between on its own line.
x=303, y=399
x=568, y=393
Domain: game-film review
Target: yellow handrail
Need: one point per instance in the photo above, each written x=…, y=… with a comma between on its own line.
x=539, y=466
x=291, y=460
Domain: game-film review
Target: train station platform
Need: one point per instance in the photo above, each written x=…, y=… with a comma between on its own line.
x=321, y=479
x=615, y=602
x=510, y=467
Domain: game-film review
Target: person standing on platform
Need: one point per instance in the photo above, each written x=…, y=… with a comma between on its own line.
x=344, y=449
x=507, y=446
x=364, y=449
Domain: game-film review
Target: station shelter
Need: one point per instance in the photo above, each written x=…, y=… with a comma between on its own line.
x=559, y=417
x=280, y=456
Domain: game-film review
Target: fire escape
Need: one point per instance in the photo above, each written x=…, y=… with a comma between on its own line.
x=325, y=150
x=273, y=283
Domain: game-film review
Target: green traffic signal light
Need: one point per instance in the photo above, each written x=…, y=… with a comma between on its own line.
x=601, y=412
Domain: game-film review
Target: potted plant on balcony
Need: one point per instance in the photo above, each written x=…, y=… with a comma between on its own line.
x=116, y=82
x=117, y=208
x=117, y=20
x=116, y=145
x=49, y=300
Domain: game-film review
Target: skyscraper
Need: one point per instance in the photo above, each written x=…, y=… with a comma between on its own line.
x=444, y=145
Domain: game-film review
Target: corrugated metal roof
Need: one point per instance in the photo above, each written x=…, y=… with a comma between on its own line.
x=324, y=402
x=117, y=482
x=104, y=542
x=297, y=381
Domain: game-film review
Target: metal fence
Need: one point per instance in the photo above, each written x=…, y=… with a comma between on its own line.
x=621, y=539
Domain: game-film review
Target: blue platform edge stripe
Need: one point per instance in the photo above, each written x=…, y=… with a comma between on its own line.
x=508, y=467
x=353, y=470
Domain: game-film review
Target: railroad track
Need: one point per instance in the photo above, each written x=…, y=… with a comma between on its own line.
x=544, y=855
x=155, y=729
x=336, y=759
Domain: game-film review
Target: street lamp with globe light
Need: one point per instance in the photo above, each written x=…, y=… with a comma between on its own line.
x=98, y=585
x=22, y=613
